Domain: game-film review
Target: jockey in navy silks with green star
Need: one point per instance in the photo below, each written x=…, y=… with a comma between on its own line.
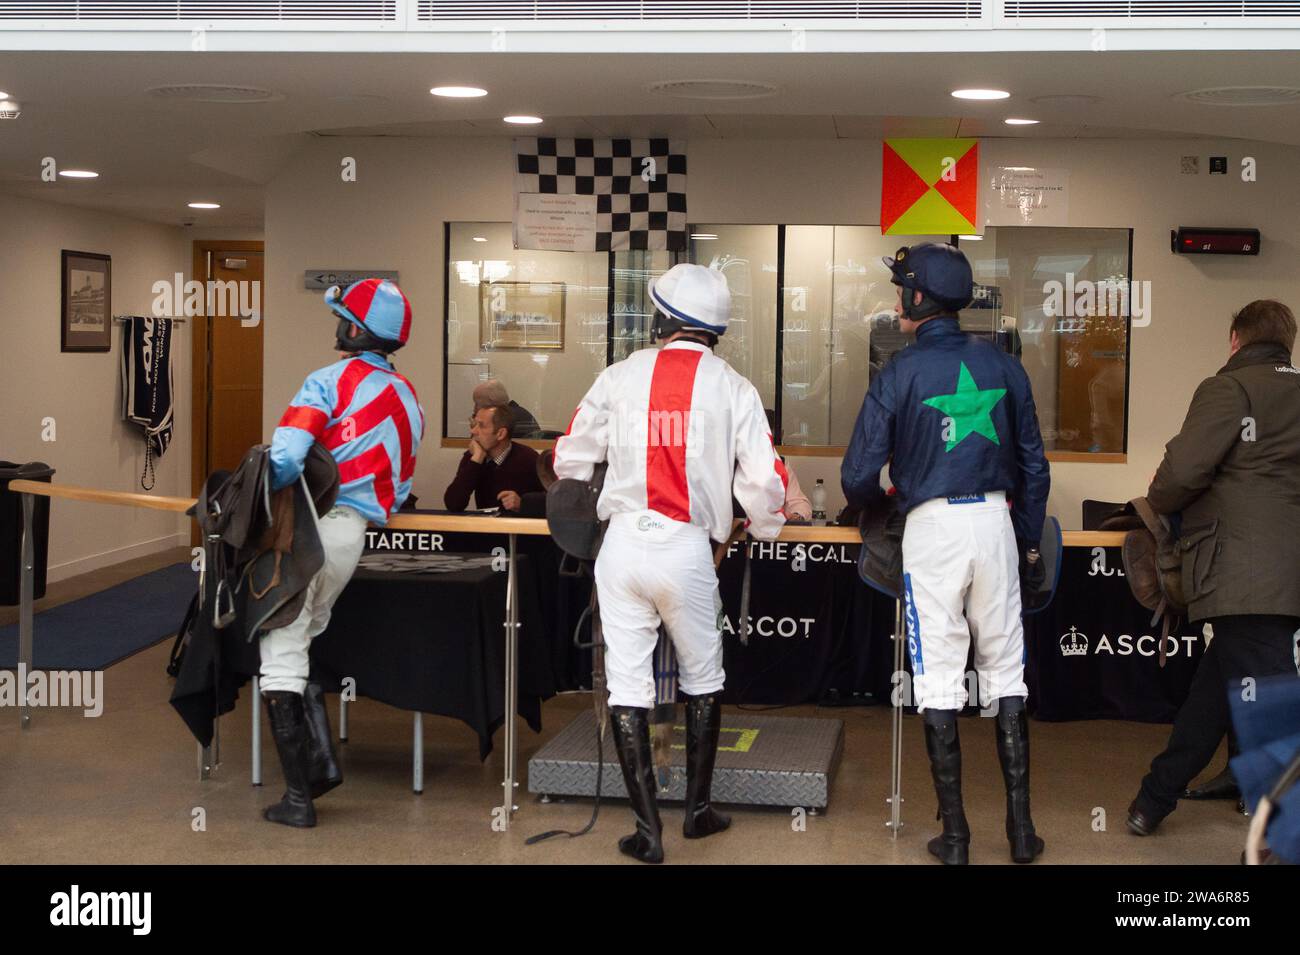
x=953, y=416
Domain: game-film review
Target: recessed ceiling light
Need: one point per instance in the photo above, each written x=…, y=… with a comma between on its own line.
x=204, y=205
x=4, y=95
x=458, y=92
x=980, y=94
x=523, y=120
x=970, y=238
x=703, y=235
x=479, y=238
x=78, y=174
x=1021, y=122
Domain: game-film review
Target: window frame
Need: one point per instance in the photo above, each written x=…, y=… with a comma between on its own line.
x=802, y=450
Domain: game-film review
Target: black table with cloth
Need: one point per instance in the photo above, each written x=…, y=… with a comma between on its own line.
x=561, y=598
x=1093, y=654
x=433, y=641
x=815, y=632
x=818, y=635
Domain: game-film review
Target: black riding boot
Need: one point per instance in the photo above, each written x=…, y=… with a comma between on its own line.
x=288, y=725
x=1013, y=753
x=703, y=723
x=325, y=773
x=632, y=739
x=944, y=748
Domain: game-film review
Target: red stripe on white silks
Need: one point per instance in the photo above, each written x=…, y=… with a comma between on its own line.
x=671, y=386
x=781, y=471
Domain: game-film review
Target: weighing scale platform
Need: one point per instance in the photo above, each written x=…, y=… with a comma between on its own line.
x=762, y=761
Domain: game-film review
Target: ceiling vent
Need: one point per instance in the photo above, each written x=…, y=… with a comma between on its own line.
x=1151, y=10
x=714, y=89
x=1067, y=100
x=281, y=11
x=537, y=10
x=213, y=93
x=9, y=109
x=1243, y=96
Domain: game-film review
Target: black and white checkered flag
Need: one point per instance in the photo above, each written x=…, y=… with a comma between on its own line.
x=639, y=185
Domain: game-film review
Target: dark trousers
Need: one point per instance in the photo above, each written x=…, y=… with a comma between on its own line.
x=1245, y=645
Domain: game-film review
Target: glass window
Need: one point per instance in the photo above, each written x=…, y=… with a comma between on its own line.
x=812, y=321
x=633, y=310
x=747, y=256
x=838, y=327
x=1063, y=299
x=535, y=320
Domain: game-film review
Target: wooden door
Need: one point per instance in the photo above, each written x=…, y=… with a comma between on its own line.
x=227, y=356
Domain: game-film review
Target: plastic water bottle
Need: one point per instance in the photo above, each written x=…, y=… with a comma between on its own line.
x=818, y=499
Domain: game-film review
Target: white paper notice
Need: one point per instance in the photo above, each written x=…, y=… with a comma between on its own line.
x=1019, y=195
x=556, y=223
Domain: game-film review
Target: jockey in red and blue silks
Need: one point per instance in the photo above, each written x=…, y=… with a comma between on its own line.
x=360, y=408
x=369, y=418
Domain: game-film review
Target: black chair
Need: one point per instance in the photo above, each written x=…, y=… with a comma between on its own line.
x=1094, y=512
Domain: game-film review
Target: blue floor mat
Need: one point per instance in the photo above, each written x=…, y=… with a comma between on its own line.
x=97, y=631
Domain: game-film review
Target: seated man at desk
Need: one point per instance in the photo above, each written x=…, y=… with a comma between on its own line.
x=497, y=471
x=492, y=392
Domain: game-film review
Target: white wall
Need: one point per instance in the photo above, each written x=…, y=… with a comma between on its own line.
x=80, y=391
x=392, y=216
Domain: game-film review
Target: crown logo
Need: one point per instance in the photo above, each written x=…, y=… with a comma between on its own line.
x=1074, y=644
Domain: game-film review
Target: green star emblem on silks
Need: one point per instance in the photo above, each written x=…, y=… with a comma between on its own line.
x=969, y=408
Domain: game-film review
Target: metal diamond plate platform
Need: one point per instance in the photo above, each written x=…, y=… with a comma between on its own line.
x=762, y=761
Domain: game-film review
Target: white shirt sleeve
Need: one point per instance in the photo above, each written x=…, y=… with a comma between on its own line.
x=760, y=480
x=587, y=441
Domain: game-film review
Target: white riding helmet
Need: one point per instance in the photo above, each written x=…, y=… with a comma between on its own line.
x=694, y=295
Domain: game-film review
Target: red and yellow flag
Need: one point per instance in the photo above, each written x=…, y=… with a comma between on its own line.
x=929, y=187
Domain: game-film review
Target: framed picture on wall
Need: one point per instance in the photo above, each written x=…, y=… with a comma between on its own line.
x=521, y=316
x=86, y=322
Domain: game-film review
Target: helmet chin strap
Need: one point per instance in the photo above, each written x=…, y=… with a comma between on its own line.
x=361, y=341
x=927, y=308
x=664, y=327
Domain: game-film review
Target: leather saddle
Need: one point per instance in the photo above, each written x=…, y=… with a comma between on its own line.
x=263, y=544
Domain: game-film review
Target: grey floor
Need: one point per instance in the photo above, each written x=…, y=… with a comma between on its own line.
x=124, y=788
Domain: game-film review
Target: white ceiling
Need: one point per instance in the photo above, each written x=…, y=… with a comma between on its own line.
x=91, y=109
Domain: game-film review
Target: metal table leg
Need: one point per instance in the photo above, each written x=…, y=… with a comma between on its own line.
x=417, y=751
x=257, y=730
x=508, y=784
x=27, y=586
x=895, y=799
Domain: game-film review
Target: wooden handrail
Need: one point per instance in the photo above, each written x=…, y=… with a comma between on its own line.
x=471, y=524
x=95, y=496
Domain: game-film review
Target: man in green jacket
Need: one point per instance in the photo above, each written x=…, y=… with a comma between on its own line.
x=1233, y=473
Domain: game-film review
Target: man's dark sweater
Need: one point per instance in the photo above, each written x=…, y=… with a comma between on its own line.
x=518, y=473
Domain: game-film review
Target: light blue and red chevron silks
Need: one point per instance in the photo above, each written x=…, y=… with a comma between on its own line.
x=369, y=418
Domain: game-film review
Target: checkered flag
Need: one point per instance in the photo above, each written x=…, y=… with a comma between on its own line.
x=639, y=185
